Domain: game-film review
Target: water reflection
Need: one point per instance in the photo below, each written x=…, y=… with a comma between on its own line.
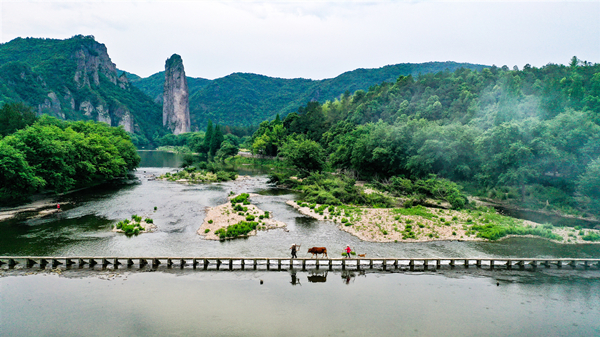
x=295, y=279
x=349, y=276
x=317, y=276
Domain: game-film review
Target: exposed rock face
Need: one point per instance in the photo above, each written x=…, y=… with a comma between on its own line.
x=92, y=60
x=176, y=106
x=51, y=105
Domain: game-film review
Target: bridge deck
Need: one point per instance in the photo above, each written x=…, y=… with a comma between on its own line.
x=279, y=263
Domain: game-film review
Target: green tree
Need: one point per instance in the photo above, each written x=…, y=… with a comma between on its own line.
x=216, y=140
x=15, y=116
x=304, y=154
x=208, y=137
x=588, y=186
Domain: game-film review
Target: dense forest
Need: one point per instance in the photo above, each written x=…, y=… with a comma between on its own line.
x=48, y=154
x=530, y=136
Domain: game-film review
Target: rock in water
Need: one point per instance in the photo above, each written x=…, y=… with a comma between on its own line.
x=176, y=106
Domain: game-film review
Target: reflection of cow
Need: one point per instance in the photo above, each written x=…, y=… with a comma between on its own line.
x=318, y=250
x=317, y=277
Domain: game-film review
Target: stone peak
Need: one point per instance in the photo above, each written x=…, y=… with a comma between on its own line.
x=174, y=60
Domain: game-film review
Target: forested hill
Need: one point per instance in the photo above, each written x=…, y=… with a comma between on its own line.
x=530, y=136
x=75, y=79
x=247, y=99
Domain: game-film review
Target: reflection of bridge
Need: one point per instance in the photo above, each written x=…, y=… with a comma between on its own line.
x=274, y=263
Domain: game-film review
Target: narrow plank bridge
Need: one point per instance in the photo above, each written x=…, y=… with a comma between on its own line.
x=275, y=263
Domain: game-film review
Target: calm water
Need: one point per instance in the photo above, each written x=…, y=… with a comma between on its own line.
x=175, y=303
x=458, y=302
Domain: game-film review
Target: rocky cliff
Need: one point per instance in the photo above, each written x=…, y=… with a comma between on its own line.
x=176, y=106
x=75, y=79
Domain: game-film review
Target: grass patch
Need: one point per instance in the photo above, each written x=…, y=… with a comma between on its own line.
x=234, y=231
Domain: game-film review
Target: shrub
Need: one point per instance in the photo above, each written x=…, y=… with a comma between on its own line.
x=210, y=221
x=591, y=237
x=136, y=218
x=207, y=230
x=344, y=220
x=239, y=229
x=155, y=208
x=240, y=199
x=148, y=220
x=267, y=214
x=250, y=217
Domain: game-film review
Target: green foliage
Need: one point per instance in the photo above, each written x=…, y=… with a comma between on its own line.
x=15, y=116
x=591, y=237
x=58, y=156
x=132, y=228
x=240, y=198
x=207, y=230
x=248, y=99
x=414, y=211
x=527, y=137
x=239, y=229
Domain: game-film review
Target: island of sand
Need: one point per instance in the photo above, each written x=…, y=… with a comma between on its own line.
x=226, y=215
x=421, y=224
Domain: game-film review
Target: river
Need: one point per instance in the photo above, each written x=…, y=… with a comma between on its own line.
x=457, y=302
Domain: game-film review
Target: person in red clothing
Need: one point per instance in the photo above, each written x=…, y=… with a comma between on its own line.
x=348, y=250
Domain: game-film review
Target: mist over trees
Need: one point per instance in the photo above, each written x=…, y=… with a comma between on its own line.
x=529, y=136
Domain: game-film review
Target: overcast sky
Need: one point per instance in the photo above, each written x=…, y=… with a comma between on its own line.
x=314, y=39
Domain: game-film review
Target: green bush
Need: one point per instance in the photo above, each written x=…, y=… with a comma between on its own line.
x=239, y=229
x=591, y=237
x=240, y=199
x=210, y=221
x=148, y=220
x=207, y=230
x=267, y=214
x=250, y=217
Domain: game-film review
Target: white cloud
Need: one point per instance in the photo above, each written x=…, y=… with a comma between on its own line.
x=314, y=39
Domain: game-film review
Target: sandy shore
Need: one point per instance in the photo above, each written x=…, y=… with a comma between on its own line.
x=387, y=225
x=224, y=215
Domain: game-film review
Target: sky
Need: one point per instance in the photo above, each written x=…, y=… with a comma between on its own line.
x=314, y=39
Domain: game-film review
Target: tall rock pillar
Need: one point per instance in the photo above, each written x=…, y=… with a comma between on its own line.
x=176, y=105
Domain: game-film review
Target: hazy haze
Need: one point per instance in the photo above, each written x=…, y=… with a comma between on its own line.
x=314, y=39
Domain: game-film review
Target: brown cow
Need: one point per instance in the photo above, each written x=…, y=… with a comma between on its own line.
x=317, y=251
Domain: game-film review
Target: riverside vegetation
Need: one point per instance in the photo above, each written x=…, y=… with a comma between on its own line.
x=529, y=138
x=46, y=154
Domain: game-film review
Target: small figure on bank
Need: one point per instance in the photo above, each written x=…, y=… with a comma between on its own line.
x=58, y=207
x=293, y=248
x=348, y=251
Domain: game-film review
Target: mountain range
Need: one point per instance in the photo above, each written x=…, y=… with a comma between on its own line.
x=75, y=79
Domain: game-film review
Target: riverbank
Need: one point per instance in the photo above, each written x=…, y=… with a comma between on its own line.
x=225, y=215
x=422, y=224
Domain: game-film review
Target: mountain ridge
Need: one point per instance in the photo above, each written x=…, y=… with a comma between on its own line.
x=243, y=99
